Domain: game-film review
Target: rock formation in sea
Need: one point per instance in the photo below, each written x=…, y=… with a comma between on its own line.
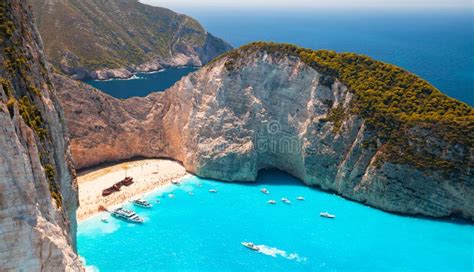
x=346, y=123
x=38, y=190
x=103, y=39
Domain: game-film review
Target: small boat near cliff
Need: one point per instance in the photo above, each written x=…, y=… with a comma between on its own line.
x=271, y=201
x=104, y=220
x=175, y=182
x=300, y=198
x=251, y=246
x=327, y=215
x=127, y=215
x=213, y=191
x=285, y=200
x=265, y=191
x=142, y=203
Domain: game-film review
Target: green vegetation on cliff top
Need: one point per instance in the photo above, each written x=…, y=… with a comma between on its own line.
x=393, y=102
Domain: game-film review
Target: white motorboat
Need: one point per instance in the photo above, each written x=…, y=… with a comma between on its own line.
x=286, y=200
x=170, y=195
x=300, y=198
x=327, y=215
x=250, y=245
x=127, y=215
x=213, y=191
x=142, y=203
x=264, y=190
x=175, y=182
x=271, y=202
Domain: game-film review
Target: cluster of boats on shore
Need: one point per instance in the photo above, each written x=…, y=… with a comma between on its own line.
x=133, y=217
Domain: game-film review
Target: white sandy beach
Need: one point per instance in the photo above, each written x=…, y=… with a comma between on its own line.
x=148, y=175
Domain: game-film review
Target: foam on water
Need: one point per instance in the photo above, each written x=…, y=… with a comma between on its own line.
x=88, y=268
x=274, y=252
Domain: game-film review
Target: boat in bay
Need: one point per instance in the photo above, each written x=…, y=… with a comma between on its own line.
x=127, y=215
x=327, y=215
x=251, y=246
x=142, y=203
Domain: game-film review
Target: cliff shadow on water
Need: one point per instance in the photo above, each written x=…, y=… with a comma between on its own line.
x=272, y=177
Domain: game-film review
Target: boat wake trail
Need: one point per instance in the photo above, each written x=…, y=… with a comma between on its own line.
x=275, y=252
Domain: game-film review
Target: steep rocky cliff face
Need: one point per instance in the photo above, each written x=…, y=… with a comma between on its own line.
x=38, y=191
x=267, y=106
x=115, y=38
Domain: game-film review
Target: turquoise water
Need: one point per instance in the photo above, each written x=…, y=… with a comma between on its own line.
x=203, y=233
x=141, y=84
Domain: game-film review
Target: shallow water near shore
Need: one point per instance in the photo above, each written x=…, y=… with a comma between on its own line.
x=204, y=231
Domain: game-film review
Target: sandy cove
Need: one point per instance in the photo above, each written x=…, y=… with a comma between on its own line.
x=148, y=175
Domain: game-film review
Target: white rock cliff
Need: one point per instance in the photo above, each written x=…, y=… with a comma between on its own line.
x=271, y=112
x=38, y=190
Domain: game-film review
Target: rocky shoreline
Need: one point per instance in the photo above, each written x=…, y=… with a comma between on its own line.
x=125, y=72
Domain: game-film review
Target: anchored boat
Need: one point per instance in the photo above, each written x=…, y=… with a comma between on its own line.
x=127, y=215
x=264, y=190
x=327, y=215
x=286, y=200
x=141, y=203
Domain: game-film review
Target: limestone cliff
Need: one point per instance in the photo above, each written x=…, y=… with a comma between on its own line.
x=342, y=122
x=38, y=190
x=116, y=38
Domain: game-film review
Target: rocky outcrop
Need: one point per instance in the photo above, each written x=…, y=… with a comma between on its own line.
x=271, y=109
x=38, y=190
x=102, y=39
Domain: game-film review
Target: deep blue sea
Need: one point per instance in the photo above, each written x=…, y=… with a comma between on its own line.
x=141, y=84
x=436, y=45
x=203, y=233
